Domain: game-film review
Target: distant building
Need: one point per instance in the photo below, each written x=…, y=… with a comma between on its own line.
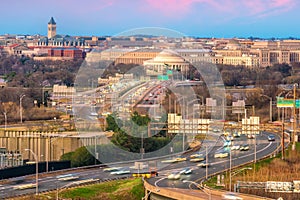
x=137, y=56
x=165, y=60
x=10, y=159
x=55, y=40
x=62, y=91
x=15, y=49
x=51, y=28
x=72, y=53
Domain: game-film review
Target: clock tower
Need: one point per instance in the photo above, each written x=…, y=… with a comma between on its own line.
x=51, y=28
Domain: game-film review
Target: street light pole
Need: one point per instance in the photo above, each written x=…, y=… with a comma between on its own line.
x=206, y=170
x=5, y=120
x=230, y=168
x=21, y=110
x=63, y=187
x=295, y=118
x=237, y=172
x=270, y=109
x=199, y=187
x=37, y=171
x=271, y=112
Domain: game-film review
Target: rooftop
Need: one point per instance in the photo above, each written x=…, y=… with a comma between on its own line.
x=52, y=21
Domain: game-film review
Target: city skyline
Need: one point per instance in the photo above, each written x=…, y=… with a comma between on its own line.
x=200, y=18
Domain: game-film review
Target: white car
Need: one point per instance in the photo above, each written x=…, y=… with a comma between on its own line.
x=174, y=176
x=196, y=155
x=197, y=159
x=222, y=154
x=120, y=172
x=227, y=143
x=169, y=161
x=232, y=196
x=111, y=169
x=229, y=137
x=186, y=171
x=203, y=164
x=244, y=147
x=251, y=136
x=235, y=147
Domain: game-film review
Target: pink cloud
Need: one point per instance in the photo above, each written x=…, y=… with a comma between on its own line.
x=258, y=8
x=262, y=8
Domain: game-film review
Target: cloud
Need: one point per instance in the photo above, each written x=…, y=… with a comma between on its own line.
x=256, y=8
x=261, y=8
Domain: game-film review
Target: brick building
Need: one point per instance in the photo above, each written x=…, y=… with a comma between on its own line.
x=73, y=53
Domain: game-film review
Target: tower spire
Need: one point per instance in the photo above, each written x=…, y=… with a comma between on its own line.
x=51, y=28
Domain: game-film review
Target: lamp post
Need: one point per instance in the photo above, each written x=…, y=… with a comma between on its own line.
x=295, y=118
x=5, y=120
x=235, y=173
x=206, y=167
x=270, y=109
x=230, y=163
x=202, y=104
x=21, y=110
x=37, y=171
x=63, y=187
x=199, y=186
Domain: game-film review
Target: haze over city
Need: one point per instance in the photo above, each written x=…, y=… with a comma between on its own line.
x=200, y=18
x=150, y=99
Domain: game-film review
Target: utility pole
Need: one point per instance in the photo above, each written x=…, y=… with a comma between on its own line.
x=282, y=141
x=295, y=119
x=206, y=170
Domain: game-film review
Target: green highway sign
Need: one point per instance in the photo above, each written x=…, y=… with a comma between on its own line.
x=169, y=72
x=285, y=103
x=297, y=103
x=162, y=77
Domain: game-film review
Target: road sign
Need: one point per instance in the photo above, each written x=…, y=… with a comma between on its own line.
x=274, y=186
x=297, y=103
x=169, y=72
x=210, y=105
x=250, y=126
x=238, y=107
x=163, y=77
x=285, y=103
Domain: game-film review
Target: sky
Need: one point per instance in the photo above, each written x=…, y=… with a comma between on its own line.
x=200, y=18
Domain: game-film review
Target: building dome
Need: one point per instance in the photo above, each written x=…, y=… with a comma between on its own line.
x=167, y=57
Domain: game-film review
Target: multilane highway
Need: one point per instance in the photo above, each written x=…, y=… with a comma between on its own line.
x=50, y=181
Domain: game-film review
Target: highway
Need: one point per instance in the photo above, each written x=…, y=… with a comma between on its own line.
x=216, y=165
x=50, y=181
